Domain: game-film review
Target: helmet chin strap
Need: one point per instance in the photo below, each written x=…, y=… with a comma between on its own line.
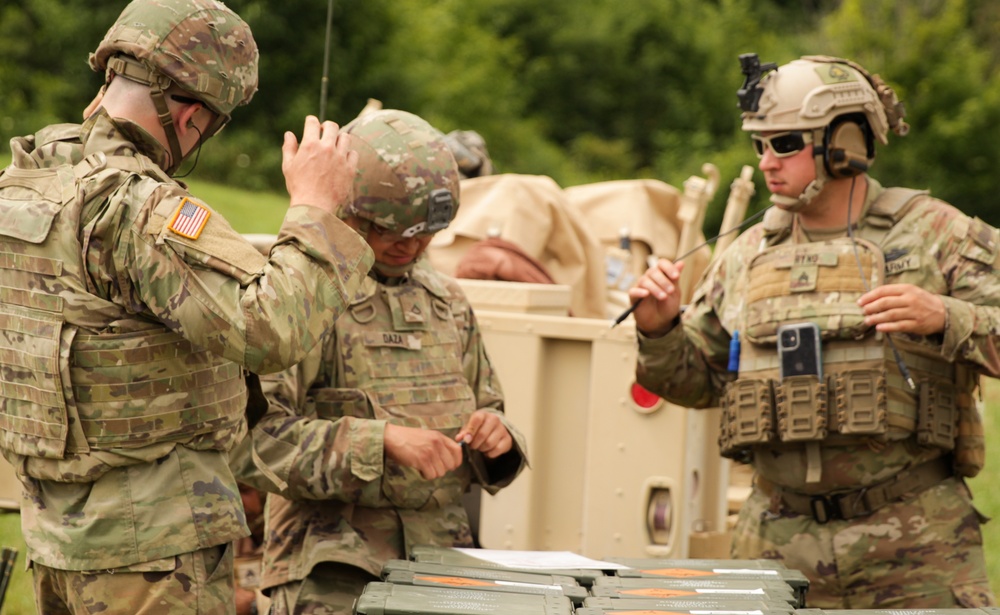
x=811, y=191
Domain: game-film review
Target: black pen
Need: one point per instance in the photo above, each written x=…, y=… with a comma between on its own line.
x=621, y=317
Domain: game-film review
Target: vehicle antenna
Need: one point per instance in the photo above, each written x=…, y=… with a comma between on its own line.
x=325, y=81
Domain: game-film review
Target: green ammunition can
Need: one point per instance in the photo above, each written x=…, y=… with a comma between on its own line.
x=380, y=598
x=753, y=569
x=453, y=557
x=484, y=579
x=649, y=587
x=706, y=606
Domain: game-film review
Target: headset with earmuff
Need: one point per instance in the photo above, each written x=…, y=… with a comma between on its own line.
x=848, y=146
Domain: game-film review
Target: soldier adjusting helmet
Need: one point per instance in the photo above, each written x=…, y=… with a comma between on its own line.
x=407, y=181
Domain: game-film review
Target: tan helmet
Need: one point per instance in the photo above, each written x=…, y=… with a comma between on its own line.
x=809, y=93
x=841, y=107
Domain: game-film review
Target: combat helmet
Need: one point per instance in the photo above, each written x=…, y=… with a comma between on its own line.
x=471, y=155
x=836, y=102
x=200, y=45
x=407, y=179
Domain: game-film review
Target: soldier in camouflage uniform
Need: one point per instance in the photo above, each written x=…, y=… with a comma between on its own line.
x=858, y=470
x=372, y=440
x=131, y=314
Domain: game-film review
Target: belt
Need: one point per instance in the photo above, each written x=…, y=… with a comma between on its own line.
x=844, y=505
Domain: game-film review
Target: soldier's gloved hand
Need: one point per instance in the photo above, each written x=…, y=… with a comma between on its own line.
x=485, y=432
x=320, y=170
x=429, y=452
x=659, y=297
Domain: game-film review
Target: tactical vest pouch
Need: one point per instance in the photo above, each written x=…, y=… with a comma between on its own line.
x=332, y=404
x=35, y=197
x=144, y=387
x=34, y=418
x=747, y=416
x=937, y=414
x=801, y=406
x=860, y=397
x=970, y=444
x=817, y=282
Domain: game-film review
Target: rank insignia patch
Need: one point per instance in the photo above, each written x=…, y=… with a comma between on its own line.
x=190, y=219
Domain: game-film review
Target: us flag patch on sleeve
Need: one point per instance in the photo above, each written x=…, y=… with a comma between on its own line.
x=190, y=219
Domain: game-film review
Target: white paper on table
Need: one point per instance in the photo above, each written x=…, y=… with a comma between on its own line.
x=540, y=559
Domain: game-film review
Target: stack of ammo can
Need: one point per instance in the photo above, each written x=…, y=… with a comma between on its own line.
x=441, y=581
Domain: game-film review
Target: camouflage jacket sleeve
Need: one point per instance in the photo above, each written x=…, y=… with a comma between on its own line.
x=215, y=290
x=964, y=257
x=304, y=456
x=489, y=396
x=689, y=365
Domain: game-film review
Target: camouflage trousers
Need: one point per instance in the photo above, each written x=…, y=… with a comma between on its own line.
x=330, y=589
x=926, y=552
x=199, y=583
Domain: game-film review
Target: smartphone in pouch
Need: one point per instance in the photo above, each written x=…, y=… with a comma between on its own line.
x=799, y=350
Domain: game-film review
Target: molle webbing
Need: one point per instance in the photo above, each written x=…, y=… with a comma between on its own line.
x=861, y=395
x=817, y=282
x=131, y=390
x=399, y=358
x=33, y=412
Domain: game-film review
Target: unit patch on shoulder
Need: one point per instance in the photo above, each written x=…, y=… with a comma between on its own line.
x=190, y=219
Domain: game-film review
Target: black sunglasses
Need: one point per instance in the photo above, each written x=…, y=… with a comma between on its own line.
x=783, y=144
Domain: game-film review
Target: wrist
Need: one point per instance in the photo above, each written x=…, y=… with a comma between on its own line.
x=663, y=331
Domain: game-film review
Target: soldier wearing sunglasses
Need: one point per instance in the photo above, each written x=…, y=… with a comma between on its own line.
x=859, y=465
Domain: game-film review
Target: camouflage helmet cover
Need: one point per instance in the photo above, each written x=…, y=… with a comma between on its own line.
x=407, y=179
x=810, y=92
x=201, y=45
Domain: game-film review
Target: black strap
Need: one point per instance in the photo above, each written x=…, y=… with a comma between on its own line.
x=862, y=502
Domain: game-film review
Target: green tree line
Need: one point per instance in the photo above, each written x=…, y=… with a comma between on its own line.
x=580, y=90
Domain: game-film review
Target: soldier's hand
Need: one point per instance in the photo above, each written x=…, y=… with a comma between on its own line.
x=430, y=452
x=485, y=432
x=659, y=296
x=903, y=308
x=320, y=170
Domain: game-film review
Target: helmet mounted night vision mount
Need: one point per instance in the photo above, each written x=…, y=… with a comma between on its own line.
x=753, y=71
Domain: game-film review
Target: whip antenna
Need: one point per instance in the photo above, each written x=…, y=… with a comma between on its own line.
x=325, y=81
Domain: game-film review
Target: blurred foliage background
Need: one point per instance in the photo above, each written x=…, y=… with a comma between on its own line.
x=580, y=90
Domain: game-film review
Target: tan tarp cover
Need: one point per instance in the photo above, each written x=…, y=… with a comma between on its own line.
x=647, y=207
x=532, y=212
